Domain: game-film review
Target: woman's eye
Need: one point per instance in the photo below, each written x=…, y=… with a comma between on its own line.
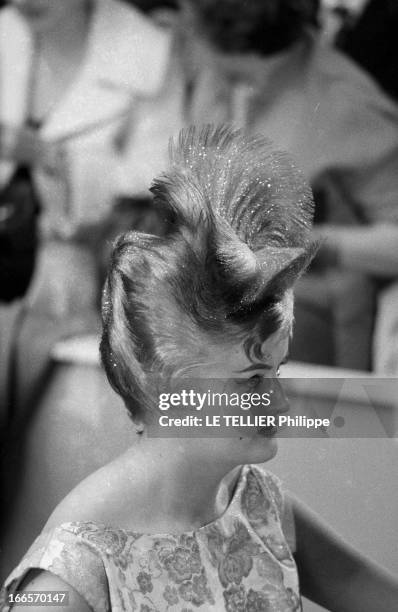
x=251, y=382
x=255, y=380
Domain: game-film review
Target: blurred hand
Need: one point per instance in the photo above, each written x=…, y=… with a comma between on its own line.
x=25, y=146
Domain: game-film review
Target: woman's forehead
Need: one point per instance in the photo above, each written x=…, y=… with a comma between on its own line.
x=231, y=358
x=221, y=357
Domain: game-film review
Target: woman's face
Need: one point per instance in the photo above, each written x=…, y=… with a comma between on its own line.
x=257, y=382
x=249, y=389
x=46, y=15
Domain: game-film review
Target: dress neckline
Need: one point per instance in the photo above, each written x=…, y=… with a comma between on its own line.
x=235, y=499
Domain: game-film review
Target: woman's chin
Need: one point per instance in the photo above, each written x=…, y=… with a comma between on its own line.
x=264, y=449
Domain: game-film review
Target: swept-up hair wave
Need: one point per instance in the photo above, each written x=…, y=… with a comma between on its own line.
x=240, y=238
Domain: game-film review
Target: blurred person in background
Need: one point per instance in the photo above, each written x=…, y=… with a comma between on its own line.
x=368, y=36
x=87, y=105
x=263, y=65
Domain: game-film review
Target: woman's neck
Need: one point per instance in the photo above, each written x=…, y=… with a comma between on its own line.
x=183, y=484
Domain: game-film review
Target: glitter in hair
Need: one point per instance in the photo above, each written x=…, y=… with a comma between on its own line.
x=240, y=238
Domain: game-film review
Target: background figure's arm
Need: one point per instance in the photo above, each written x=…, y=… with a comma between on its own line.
x=335, y=575
x=369, y=249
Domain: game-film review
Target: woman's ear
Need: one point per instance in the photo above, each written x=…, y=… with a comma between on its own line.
x=139, y=426
x=137, y=417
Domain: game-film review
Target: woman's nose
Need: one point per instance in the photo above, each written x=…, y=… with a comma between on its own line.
x=278, y=397
x=274, y=399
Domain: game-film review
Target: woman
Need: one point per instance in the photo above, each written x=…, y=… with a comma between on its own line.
x=155, y=529
x=88, y=112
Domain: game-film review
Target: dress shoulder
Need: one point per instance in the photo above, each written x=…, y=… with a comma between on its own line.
x=62, y=552
x=271, y=485
x=275, y=499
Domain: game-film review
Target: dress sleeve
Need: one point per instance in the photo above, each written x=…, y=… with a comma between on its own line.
x=63, y=554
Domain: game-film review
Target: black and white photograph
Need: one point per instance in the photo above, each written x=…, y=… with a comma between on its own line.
x=199, y=305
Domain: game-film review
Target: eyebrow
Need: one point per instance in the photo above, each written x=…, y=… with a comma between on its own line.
x=256, y=366
x=262, y=366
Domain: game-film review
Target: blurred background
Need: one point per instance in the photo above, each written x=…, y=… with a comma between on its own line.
x=90, y=93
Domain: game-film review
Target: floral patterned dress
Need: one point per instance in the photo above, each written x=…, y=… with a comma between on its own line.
x=241, y=562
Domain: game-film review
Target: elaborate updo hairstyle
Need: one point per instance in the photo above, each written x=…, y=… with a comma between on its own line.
x=240, y=238
x=263, y=27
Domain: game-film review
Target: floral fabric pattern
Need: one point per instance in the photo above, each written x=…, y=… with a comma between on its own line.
x=239, y=563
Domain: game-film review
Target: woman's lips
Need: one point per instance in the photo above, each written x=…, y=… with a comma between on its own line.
x=272, y=430
x=267, y=432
